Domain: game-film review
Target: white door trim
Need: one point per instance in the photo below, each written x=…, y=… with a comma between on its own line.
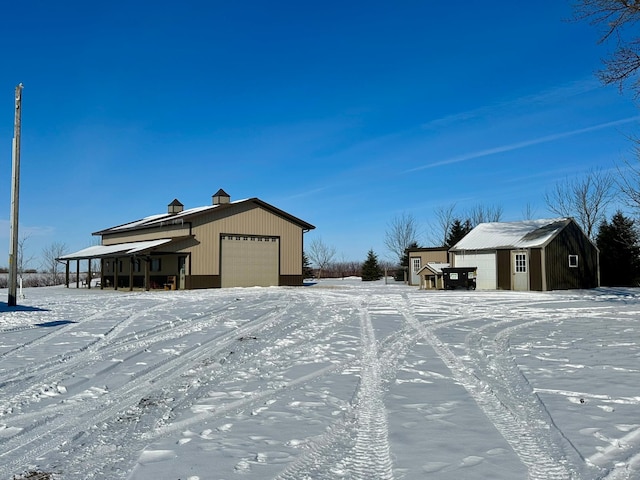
x=520, y=270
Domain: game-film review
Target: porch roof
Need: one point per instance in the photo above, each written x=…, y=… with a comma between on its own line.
x=120, y=249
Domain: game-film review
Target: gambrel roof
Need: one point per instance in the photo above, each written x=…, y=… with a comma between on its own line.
x=512, y=235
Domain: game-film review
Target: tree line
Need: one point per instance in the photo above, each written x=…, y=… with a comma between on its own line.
x=50, y=269
x=586, y=199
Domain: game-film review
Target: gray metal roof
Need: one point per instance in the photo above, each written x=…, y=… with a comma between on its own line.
x=163, y=219
x=512, y=235
x=129, y=248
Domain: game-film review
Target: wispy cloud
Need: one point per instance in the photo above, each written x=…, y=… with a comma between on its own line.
x=527, y=143
x=306, y=193
x=549, y=96
x=24, y=231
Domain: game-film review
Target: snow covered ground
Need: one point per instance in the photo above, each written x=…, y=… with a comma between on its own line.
x=340, y=380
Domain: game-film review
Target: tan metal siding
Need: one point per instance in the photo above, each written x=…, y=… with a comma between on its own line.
x=142, y=235
x=426, y=256
x=203, y=247
x=241, y=220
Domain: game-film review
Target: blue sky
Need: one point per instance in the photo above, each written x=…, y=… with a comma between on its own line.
x=345, y=114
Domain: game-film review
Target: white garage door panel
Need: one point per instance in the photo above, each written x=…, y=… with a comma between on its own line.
x=486, y=264
x=249, y=261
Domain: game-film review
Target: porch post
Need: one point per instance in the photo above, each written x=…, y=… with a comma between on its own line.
x=147, y=277
x=78, y=273
x=66, y=274
x=89, y=276
x=130, y=274
x=115, y=273
x=102, y=274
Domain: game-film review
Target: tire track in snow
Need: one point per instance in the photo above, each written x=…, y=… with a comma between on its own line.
x=137, y=440
x=30, y=382
x=49, y=434
x=494, y=359
x=329, y=456
x=528, y=440
x=47, y=336
x=372, y=452
x=27, y=383
x=494, y=363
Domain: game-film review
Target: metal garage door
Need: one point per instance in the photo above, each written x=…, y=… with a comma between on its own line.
x=486, y=264
x=248, y=261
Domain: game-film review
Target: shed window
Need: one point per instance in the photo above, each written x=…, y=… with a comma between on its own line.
x=573, y=261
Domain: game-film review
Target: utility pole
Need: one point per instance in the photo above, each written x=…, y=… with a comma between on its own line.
x=15, y=196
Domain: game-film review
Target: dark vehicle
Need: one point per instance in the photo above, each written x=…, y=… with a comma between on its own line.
x=459, y=277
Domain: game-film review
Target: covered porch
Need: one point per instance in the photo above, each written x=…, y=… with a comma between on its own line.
x=143, y=265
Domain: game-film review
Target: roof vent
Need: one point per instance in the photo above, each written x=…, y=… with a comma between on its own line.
x=221, y=197
x=175, y=207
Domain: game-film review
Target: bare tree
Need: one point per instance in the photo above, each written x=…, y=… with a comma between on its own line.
x=619, y=19
x=528, y=212
x=585, y=199
x=445, y=215
x=484, y=213
x=23, y=260
x=50, y=257
x=321, y=254
x=401, y=232
x=628, y=182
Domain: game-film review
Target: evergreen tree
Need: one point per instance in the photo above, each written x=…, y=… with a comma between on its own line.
x=457, y=232
x=619, y=246
x=370, y=268
x=404, y=263
x=307, y=271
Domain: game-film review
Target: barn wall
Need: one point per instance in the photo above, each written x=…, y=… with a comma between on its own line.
x=504, y=269
x=156, y=233
x=203, y=248
x=535, y=269
x=244, y=220
x=426, y=255
x=571, y=241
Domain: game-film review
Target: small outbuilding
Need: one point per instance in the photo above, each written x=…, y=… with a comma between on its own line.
x=421, y=256
x=431, y=276
x=225, y=244
x=541, y=255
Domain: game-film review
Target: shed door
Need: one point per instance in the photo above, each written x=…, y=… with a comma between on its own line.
x=485, y=262
x=520, y=269
x=414, y=266
x=249, y=261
